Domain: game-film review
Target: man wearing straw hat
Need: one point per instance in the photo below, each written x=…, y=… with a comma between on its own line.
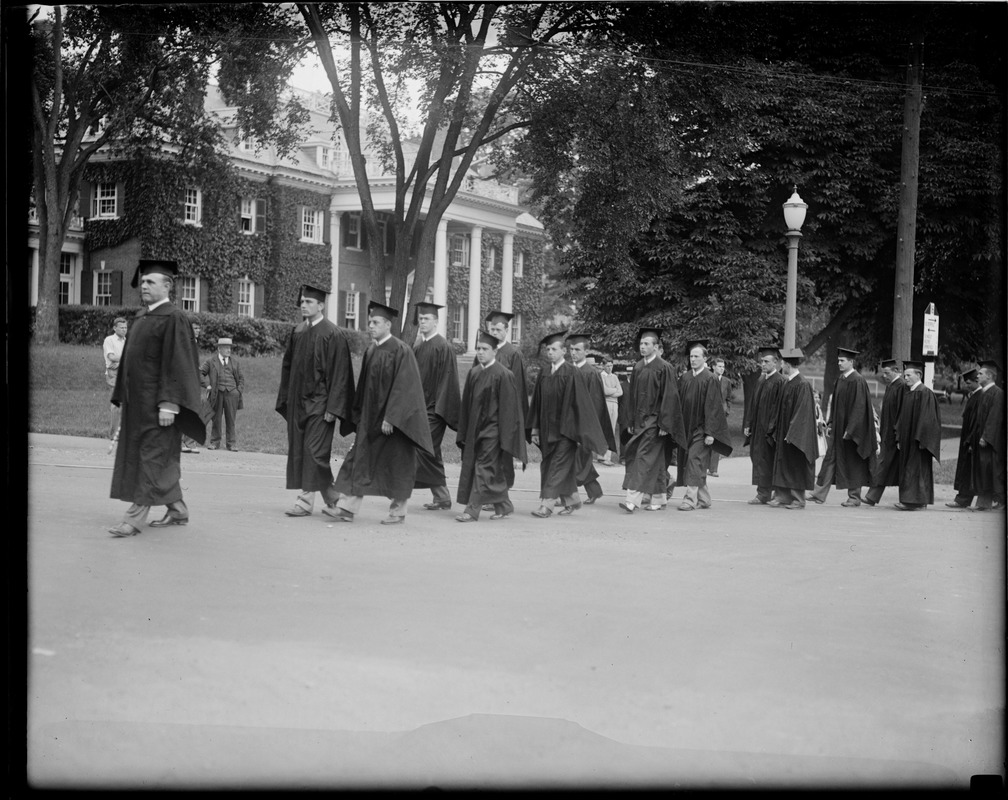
x=224, y=384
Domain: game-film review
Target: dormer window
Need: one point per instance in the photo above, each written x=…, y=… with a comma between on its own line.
x=325, y=157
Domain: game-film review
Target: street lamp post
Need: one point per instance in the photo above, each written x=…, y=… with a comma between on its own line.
x=794, y=216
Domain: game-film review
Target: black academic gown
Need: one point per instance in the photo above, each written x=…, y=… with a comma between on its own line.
x=562, y=411
x=589, y=377
x=652, y=406
x=989, y=463
x=316, y=378
x=963, y=482
x=762, y=424
x=703, y=415
x=510, y=357
x=887, y=466
x=490, y=434
x=158, y=365
x=796, y=448
x=439, y=377
x=850, y=452
x=389, y=389
x=918, y=436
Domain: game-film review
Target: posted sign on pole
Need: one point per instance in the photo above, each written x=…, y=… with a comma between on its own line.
x=929, y=350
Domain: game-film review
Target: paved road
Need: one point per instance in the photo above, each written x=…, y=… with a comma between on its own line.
x=734, y=647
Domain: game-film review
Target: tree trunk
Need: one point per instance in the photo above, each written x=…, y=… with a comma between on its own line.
x=47, y=310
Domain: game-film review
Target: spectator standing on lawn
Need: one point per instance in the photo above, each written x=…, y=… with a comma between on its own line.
x=989, y=435
x=491, y=434
x=705, y=426
x=796, y=447
x=761, y=423
x=112, y=349
x=887, y=467
x=561, y=419
x=718, y=368
x=439, y=377
x=613, y=390
x=189, y=445
x=390, y=415
x=918, y=440
x=963, y=482
x=316, y=388
x=850, y=435
x=157, y=388
x=224, y=385
x=654, y=420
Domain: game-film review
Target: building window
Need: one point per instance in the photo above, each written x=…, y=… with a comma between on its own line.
x=457, y=327
x=492, y=259
x=516, y=329
x=246, y=297
x=187, y=292
x=311, y=226
x=248, y=215
x=353, y=234
x=519, y=267
x=104, y=206
x=460, y=250
x=103, y=289
x=350, y=311
x=193, y=207
x=325, y=157
x=247, y=144
x=66, y=284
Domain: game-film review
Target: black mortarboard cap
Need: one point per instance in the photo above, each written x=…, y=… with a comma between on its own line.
x=888, y=362
x=151, y=265
x=550, y=338
x=312, y=292
x=378, y=310
x=483, y=337
x=988, y=363
x=691, y=343
x=574, y=338
x=970, y=375
x=793, y=356
x=769, y=350
x=425, y=308
x=642, y=332
x=499, y=316
x=918, y=365
x=847, y=352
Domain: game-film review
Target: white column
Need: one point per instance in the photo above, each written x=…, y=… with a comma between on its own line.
x=332, y=307
x=507, y=272
x=475, y=273
x=441, y=274
x=34, y=279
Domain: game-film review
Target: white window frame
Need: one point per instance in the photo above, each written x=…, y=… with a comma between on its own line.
x=516, y=329
x=68, y=264
x=459, y=244
x=354, y=227
x=519, y=267
x=103, y=288
x=187, y=290
x=247, y=144
x=248, y=212
x=105, y=205
x=458, y=322
x=351, y=310
x=311, y=225
x=192, y=213
x=246, y=297
x=492, y=259
x=325, y=157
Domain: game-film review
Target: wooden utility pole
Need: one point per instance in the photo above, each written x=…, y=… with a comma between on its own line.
x=906, y=225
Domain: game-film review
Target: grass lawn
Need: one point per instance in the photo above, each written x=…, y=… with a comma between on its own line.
x=68, y=396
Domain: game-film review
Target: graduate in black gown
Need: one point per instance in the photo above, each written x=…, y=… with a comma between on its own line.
x=795, y=443
x=887, y=468
x=851, y=442
x=989, y=439
x=157, y=388
x=508, y=356
x=439, y=376
x=918, y=438
x=491, y=435
x=390, y=415
x=705, y=425
x=654, y=421
x=591, y=380
x=316, y=389
x=561, y=418
x=760, y=424
x=963, y=481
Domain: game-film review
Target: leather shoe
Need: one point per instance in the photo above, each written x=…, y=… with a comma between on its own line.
x=189, y=450
x=628, y=507
x=169, y=519
x=794, y=505
x=439, y=506
x=653, y=507
x=868, y=502
x=775, y=503
x=566, y=511
x=756, y=502
x=712, y=474
x=390, y=520
x=703, y=506
x=813, y=499
x=500, y=516
x=297, y=511
x=337, y=514
x=212, y=447
x=542, y=512
x=954, y=504
x=591, y=500
x=687, y=507
x=850, y=503
x=233, y=449
x=904, y=507
x=981, y=508
x=124, y=529
x=465, y=517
